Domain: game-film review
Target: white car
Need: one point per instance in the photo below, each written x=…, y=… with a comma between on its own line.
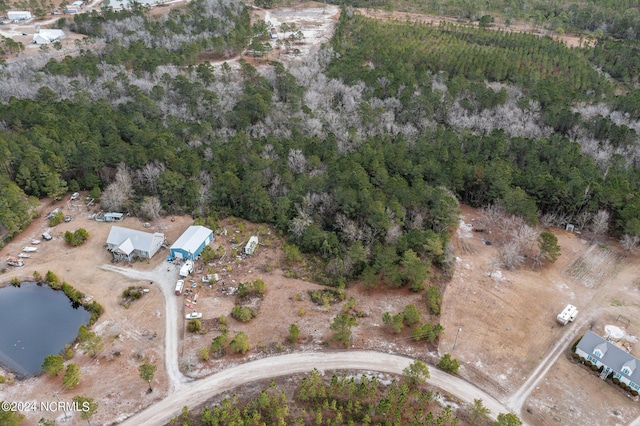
x=194, y=315
x=75, y=196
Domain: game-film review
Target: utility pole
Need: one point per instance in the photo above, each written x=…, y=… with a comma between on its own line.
x=66, y=416
x=456, y=339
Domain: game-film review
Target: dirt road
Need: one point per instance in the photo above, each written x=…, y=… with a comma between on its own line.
x=163, y=278
x=517, y=400
x=267, y=368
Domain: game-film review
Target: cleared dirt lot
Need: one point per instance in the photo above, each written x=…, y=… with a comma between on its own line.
x=508, y=322
x=136, y=333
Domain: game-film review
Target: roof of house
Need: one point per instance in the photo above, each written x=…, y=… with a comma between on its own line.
x=614, y=356
x=126, y=240
x=192, y=238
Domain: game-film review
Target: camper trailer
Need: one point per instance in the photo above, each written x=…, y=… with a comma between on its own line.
x=187, y=268
x=567, y=315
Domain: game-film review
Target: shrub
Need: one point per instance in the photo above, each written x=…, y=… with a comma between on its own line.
x=434, y=300
x=243, y=313
x=594, y=368
x=194, y=326
x=56, y=219
x=448, y=364
x=52, y=280
x=616, y=380
x=634, y=392
x=77, y=238
x=575, y=355
x=203, y=354
x=15, y=281
x=588, y=363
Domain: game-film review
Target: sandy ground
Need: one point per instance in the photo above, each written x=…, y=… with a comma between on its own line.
x=508, y=323
x=137, y=333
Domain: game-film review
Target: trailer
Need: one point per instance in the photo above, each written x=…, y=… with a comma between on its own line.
x=179, y=287
x=250, y=248
x=567, y=315
x=19, y=15
x=187, y=268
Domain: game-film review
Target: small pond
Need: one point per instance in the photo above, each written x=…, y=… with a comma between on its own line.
x=36, y=321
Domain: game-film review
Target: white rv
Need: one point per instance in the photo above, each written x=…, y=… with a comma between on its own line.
x=179, y=287
x=567, y=315
x=187, y=268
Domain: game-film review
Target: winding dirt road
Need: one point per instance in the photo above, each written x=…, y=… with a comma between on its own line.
x=267, y=368
x=184, y=391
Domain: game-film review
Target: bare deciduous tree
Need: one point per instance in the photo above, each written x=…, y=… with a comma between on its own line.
x=510, y=256
x=630, y=242
x=149, y=175
x=116, y=195
x=297, y=161
x=600, y=223
x=582, y=219
x=151, y=208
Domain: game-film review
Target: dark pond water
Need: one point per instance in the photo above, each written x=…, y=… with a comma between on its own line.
x=35, y=321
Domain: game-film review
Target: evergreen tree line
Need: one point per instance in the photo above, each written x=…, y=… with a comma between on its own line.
x=366, y=175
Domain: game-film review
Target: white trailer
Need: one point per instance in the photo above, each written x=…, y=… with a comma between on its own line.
x=187, y=268
x=19, y=15
x=567, y=315
x=250, y=248
x=179, y=287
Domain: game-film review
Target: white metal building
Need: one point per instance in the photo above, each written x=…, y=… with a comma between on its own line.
x=127, y=243
x=48, y=36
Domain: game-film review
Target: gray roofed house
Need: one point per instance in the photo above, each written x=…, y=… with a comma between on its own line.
x=612, y=358
x=128, y=244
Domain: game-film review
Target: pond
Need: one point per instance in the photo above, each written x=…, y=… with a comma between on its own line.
x=37, y=321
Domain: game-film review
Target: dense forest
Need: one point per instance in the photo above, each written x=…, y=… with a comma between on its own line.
x=594, y=18
x=359, y=153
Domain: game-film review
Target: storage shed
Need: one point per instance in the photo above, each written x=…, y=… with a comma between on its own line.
x=127, y=244
x=191, y=242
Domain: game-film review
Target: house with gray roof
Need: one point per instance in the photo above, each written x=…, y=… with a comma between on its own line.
x=127, y=244
x=602, y=353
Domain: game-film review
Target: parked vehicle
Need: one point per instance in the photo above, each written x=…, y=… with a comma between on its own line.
x=46, y=236
x=179, y=287
x=187, y=268
x=75, y=196
x=35, y=242
x=24, y=255
x=194, y=315
x=15, y=261
x=67, y=218
x=29, y=249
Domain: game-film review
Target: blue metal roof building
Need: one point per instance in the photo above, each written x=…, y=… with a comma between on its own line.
x=191, y=242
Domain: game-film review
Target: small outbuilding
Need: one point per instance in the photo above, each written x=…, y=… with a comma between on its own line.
x=113, y=216
x=191, y=242
x=127, y=244
x=250, y=248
